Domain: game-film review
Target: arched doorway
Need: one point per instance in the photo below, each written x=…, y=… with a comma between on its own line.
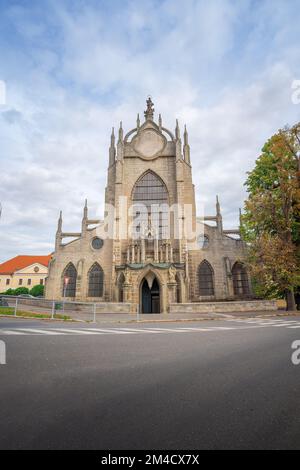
x=150, y=297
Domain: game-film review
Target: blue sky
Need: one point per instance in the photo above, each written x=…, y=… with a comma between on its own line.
x=73, y=69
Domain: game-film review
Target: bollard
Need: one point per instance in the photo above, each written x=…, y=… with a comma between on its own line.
x=94, y=311
x=53, y=309
x=16, y=306
x=138, y=313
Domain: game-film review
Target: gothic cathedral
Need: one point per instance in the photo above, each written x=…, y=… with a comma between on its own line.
x=150, y=250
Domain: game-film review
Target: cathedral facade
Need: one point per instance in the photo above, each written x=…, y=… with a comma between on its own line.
x=151, y=250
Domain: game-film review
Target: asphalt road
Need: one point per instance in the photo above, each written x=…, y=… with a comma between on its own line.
x=224, y=385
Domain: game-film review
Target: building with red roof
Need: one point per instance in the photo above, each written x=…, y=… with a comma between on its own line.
x=23, y=271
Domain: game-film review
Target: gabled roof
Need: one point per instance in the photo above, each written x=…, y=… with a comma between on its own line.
x=21, y=262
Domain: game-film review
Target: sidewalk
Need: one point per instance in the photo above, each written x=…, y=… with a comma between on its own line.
x=125, y=318
x=159, y=318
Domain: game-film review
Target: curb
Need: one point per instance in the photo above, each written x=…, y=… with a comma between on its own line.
x=40, y=319
x=163, y=320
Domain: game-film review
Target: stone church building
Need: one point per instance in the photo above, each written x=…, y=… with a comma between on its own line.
x=143, y=253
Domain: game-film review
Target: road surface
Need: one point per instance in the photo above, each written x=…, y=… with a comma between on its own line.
x=226, y=384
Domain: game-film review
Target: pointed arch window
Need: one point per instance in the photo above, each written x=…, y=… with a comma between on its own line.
x=206, y=279
x=150, y=197
x=96, y=278
x=69, y=288
x=240, y=280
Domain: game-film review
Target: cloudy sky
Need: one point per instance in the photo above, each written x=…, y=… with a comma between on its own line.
x=73, y=69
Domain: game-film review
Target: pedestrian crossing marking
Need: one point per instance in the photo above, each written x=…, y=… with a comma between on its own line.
x=39, y=331
x=242, y=324
x=11, y=332
x=264, y=322
x=109, y=330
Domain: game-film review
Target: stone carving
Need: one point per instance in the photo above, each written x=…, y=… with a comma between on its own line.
x=127, y=277
x=172, y=274
x=150, y=109
x=149, y=143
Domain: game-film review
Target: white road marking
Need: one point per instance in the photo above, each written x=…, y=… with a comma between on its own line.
x=11, y=332
x=167, y=330
x=140, y=330
x=266, y=322
x=73, y=331
x=112, y=330
x=243, y=324
x=36, y=331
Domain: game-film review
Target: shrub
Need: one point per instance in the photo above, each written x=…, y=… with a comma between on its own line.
x=8, y=292
x=21, y=290
x=37, y=290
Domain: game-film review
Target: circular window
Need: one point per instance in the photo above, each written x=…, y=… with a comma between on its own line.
x=97, y=243
x=203, y=241
x=36, y=269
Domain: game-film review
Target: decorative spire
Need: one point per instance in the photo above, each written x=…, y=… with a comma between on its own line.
x=85, y=210
x=120, y=145
x=177, y=130
x=121, y=132
x=150, y=109
x=160, y=122
x=112, y=148
x=219, y=216
x=84, y=218
x=112, y=137
x=58, y=237
x=185, y=136
x=218, y=209
x=186, y=147
x=59, y=223
x=138, y=122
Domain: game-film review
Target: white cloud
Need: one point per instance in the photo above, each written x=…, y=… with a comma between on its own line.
x=84, y=69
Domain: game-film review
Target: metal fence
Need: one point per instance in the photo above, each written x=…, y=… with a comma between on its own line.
x=63, y=309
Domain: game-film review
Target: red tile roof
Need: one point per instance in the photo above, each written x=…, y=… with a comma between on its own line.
x=21, y=262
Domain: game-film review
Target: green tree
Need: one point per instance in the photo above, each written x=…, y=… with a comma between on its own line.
x=271, y=219
x=37, y=290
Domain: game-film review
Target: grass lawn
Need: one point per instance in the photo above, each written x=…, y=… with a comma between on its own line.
x=20, y=313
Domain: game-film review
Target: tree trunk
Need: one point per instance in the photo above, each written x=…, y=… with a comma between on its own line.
x=290, y=300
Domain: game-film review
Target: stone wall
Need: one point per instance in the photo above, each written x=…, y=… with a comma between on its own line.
x=225, y=307
x=102, y=307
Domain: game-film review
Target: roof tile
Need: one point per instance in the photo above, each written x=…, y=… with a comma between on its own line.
x=21, y=262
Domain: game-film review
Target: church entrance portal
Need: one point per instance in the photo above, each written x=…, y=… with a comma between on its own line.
x=150, y=297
